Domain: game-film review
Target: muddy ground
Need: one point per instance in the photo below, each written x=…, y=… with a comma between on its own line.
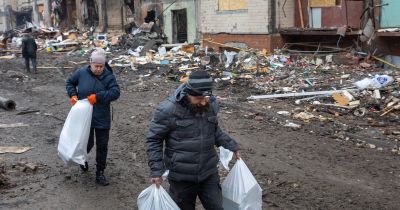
x=322, y=165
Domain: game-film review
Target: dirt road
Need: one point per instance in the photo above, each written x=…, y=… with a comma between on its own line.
x=306, y=168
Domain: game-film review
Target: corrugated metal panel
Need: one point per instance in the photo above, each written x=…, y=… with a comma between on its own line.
x=390, y=15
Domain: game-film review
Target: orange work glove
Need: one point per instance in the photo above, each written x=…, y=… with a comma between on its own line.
x=92, y=99
x=73, y=100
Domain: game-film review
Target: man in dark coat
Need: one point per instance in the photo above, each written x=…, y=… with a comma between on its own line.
x=187, y=124
x=29, y=49
x=98, y=84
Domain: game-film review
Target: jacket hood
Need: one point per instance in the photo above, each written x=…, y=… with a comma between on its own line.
x=179, y=93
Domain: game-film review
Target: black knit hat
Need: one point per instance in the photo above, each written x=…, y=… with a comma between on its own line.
x=200, y=83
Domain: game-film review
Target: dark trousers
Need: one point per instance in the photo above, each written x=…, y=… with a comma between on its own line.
x=209, y=192
x=33, y=64
x=102, y=137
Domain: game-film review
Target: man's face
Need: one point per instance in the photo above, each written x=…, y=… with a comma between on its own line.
x=198, y=104
x=97, y=68
x=199, y=101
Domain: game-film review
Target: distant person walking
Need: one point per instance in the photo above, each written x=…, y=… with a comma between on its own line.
x=29, y=49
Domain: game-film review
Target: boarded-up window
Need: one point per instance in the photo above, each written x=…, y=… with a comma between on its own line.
x=232, y=4
x=325, y=3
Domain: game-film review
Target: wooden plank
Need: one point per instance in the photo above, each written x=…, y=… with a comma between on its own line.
x=15, y=150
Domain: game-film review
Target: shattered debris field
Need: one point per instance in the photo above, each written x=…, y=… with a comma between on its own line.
x=303, y=154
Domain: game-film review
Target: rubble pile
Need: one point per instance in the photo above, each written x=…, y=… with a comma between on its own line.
x=343, y=80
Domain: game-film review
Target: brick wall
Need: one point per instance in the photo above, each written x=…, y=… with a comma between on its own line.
x=256, y=41
x=254, y=20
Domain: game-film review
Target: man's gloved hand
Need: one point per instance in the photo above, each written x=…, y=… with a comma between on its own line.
x=73, y=100
x=157, y=181
x=92, y=98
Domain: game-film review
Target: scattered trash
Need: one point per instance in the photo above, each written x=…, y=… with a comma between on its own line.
x=305, y=116
x=379, y=81
x=284, y=113
x=292, y=125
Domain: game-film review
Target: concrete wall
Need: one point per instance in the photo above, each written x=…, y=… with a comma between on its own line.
x=285, y=13
x=114, y=14
x=254, y=20
x=190, y=6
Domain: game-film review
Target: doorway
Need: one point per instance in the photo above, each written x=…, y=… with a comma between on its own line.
x=179, y=26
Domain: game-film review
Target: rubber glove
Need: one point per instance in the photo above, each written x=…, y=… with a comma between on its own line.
x=92, y=98
x=73, y=100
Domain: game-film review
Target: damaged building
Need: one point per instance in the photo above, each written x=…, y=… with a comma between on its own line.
x=81, y=14
x=366, y=25
x=242, y=23
x=15, y=13
x=178, y=20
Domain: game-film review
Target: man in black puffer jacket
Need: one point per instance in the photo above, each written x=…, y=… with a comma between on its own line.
x=187, y=122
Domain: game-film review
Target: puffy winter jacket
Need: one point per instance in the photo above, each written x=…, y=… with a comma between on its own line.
x=190, y=141
x=29, y=47
x=83, y=82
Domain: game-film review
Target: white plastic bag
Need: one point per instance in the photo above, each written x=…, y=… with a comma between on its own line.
x=229, y=58
x=225, y=156
x=153, y=198
x=379, y=81
x=240, y=189
x=72, y=146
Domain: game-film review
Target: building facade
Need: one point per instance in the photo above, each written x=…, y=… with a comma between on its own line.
x=243, y=23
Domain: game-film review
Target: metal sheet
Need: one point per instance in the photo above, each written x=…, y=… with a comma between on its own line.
x=390, y=15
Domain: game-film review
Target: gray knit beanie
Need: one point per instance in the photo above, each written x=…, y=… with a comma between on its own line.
x=98, y=56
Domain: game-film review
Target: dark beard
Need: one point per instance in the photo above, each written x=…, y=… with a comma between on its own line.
x=197, y=110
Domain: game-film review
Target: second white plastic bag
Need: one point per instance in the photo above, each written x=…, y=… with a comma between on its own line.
x=240, y=189
x=153, y=198
x=72, y=146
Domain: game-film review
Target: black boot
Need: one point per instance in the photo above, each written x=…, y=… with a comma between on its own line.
x=85, y=167
x=101, y=179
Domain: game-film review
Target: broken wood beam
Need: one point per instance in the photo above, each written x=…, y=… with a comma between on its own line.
x=301, y=13
x=287, y=95
x=7, y=104
x=386, y=62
